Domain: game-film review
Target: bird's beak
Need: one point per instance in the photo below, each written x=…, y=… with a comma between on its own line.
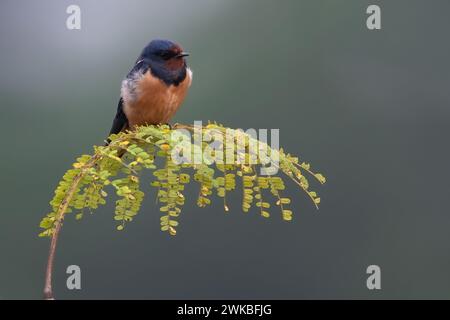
x=183, y=54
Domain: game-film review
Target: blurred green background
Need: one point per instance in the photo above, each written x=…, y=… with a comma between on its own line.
x=369, y=109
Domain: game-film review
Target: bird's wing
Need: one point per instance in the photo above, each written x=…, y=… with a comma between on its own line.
x=120, y=120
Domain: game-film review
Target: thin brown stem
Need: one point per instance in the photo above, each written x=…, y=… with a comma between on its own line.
x=48, y=292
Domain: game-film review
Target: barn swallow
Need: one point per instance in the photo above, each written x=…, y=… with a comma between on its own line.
x=155, y=87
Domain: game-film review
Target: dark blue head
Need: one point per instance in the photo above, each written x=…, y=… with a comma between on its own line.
x=163, y=51
x=166, y=60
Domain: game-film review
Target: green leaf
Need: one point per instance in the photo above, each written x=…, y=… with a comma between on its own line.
x=265, y=214
x=320, y=178
x=173, y=223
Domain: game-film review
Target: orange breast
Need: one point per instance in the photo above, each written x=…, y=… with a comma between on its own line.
x=154, y=102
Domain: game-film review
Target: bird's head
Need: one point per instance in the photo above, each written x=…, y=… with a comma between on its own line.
x=165, y=53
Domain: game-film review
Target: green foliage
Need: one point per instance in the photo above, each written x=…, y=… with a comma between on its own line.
x=117, y=167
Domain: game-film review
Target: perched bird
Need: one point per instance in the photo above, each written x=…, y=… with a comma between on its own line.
x=154, y=88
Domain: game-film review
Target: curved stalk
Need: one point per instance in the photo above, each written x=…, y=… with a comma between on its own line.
x=48, y=291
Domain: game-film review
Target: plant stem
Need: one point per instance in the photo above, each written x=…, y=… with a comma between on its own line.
x=48, y=292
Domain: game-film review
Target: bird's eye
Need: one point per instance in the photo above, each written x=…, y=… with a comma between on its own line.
x=165, y=54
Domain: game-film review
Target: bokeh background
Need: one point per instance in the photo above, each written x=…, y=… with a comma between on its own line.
x=369, y=109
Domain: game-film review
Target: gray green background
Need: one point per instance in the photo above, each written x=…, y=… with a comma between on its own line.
x=369, y=109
